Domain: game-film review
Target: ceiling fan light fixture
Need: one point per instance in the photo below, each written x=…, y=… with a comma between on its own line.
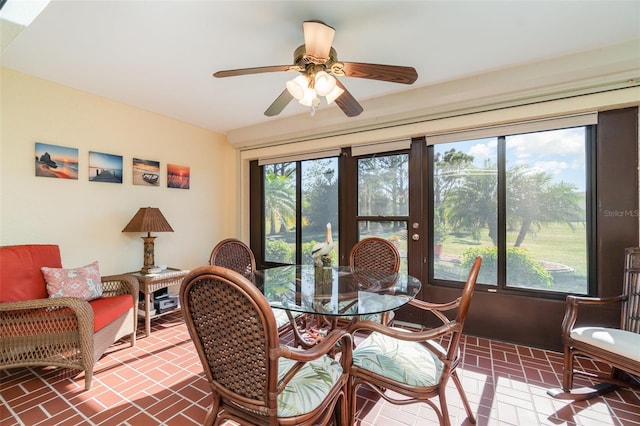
x=335, y=93
x=324, y=83
x=317, y=61
x=298, y=86
x=310, y=98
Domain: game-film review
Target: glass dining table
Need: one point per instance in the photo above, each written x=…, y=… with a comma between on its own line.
x=334, y=293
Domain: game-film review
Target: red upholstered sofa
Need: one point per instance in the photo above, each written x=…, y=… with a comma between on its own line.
x=36, y=330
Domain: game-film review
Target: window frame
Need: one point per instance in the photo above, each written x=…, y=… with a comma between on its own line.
x=257, y=205
x=501, y=285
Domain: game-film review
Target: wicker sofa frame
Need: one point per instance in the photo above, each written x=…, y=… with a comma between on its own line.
x=60, y=331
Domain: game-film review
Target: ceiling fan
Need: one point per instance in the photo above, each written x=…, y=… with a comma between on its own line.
x=317, y=62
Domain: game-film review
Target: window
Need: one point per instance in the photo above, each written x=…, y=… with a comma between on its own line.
x=383, y=201
x=521, y=202
x=300, y=199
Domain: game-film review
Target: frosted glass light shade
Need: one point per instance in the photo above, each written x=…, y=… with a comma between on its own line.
x=298, y=86
x=335, y=93
x=308, y=98
x=324, y=83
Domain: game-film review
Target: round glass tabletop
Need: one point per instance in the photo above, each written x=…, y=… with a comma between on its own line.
x=337, y=290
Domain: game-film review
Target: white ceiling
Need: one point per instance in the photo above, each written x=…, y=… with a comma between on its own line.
x=160, y=55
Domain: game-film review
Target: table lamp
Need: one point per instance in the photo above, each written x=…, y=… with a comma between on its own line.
x=148, y=219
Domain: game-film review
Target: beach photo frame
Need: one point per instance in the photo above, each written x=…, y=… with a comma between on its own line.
x=146, y=172
x=178, y=176
x=105, y=167
x=56, y=161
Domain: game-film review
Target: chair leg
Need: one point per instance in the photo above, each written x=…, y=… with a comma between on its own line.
x=444, y=409
x=567, y=392
x=353, y=390
x=344, y=406
x=88, y=378
x=463, y=396
x=567, y=374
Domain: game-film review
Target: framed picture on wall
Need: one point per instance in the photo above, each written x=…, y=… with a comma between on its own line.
x=146, y=172
x=105, y=167
x=56, y=161
x=178, y=176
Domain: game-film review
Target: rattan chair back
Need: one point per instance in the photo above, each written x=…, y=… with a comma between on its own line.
x=375, y=253
x=235, y=255
x=630, y=320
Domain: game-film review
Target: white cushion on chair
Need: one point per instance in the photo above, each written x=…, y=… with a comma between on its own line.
x=621, y=342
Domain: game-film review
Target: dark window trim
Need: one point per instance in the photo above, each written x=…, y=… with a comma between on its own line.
x=502, y=286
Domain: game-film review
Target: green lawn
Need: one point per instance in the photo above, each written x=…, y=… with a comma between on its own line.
x=556, y=243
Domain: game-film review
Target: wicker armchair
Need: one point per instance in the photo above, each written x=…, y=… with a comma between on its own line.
x=255, y=380
x=66, y=332
x=414, y=364
x=235, y=255
x=617, y=347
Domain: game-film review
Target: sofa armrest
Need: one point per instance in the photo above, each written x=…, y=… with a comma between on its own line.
x=47, y=316
x=115, y=285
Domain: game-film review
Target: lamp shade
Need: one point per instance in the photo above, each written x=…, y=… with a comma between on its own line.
x=148, y=219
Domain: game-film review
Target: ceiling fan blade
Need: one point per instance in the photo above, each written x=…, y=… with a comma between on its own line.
x=392, y=73
x=278, y=105
x=347, y=102
x=318, y=38
x=256, y=70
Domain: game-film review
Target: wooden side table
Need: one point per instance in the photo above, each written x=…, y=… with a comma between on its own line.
x=154, y=282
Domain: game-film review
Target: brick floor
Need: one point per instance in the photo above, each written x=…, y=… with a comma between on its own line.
x=160, y=382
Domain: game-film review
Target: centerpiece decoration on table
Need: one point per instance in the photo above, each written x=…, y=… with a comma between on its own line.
x=322, y=259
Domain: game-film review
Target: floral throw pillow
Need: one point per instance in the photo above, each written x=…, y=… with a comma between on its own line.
x=84, y=282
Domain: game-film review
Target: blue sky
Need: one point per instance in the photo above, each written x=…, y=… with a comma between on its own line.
x=105, y=161
x=560, y=153
x=57, y=152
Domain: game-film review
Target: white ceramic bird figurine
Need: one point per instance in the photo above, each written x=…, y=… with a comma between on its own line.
x=322, y=249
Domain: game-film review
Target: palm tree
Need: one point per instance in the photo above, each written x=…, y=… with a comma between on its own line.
x=472, y=203
x=280, y=199
x=532, y=199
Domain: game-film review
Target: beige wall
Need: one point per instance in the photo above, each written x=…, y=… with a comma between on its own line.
x=86, y=218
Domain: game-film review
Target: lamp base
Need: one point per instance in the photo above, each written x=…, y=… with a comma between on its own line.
x=149, y=261
x=150, y=270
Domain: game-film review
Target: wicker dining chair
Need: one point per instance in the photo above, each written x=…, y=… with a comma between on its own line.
x=234, y=254
x=417, y=365
x=255, y=380
x=376, y=254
